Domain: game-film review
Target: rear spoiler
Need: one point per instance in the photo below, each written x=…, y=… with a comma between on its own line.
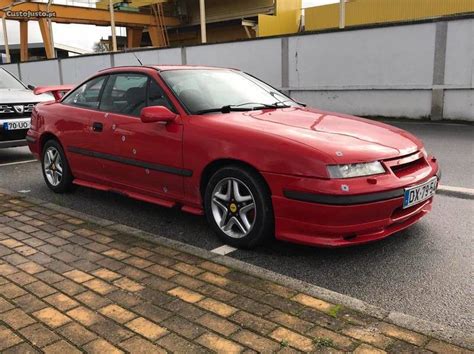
x=57, y=91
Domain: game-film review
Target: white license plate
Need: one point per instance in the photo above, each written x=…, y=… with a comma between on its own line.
x=420, y=193
x=17, y=125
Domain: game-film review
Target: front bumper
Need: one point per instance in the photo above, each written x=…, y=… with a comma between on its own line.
x=12, y=143
x=12, y=138
x=336, y=220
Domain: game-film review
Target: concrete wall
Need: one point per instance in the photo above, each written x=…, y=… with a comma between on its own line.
x=414, y=70
x=459, y=71
x=261, y=58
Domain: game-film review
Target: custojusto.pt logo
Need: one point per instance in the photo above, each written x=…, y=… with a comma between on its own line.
x=30, y=14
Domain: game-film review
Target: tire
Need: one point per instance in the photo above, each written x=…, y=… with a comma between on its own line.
x=56, y=180
x=253, y=225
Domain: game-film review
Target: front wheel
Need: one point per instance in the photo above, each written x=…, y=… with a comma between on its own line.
x=239, y=207
x=56, y=171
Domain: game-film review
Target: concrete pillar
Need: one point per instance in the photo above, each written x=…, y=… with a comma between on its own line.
x=202, y=16
x=439, y=67
x=285, y=66
x=5, y=39
x=112, y=26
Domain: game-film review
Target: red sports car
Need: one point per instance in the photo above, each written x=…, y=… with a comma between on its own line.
x=222, y=143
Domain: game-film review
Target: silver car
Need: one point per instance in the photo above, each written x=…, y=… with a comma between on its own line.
x=16, y=104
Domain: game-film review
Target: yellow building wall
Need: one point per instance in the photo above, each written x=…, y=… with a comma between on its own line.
x=360, y=12
x=285, y=21
x=224, y=10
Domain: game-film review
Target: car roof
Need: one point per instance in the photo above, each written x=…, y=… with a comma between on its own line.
x=167, y=67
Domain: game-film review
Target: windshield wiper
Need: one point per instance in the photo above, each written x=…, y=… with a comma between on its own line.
x=223, y=109
x=239, y=108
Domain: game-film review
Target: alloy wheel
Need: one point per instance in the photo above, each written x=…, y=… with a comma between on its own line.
x=53, y=167
x=233, y=207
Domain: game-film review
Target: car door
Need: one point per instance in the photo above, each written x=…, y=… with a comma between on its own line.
x=78, y=111
x=145, y=157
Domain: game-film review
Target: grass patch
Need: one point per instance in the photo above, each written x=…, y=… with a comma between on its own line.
x=323, y=342
x=284, y=343
x=334, y=311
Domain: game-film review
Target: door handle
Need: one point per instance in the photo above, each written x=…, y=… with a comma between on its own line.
x=97, y=127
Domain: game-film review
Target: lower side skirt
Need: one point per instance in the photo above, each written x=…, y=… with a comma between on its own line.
x=139, y=196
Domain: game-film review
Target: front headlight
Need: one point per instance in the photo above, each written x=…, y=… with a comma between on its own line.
x=355, y=170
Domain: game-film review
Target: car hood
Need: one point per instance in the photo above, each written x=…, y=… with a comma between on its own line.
x=343, y=138
x=22, y=96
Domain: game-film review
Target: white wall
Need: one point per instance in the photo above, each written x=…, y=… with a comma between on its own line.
x=149, y=57
x=394, y=103
x=77, y=69
x=460, y=53
x=384, y=71
x=47, y=75
x=459, y=104
x=388, y=56
x=12, y=68
x=261, y=58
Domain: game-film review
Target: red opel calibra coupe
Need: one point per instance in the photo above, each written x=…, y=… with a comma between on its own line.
x=222, y=143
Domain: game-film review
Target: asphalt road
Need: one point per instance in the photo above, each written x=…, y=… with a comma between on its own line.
x=425, y=271
x=453, y=146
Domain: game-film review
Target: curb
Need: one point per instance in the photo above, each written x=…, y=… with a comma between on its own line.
x=428, y=328
x=457, y=192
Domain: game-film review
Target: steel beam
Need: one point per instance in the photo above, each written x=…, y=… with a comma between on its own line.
x=24, y=40
x=134, y=37
x=89, y=16
x=156, y=37
x=46, y=34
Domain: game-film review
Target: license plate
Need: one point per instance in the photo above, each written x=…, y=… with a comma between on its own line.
x=17, y=125
x=420, y=193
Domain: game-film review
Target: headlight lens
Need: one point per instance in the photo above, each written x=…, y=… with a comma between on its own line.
x=355, y=170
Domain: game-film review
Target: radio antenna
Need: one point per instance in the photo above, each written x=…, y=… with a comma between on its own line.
x=137, y=59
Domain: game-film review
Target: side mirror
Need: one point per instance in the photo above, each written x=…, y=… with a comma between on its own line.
x=155, y=114
x=31, y=87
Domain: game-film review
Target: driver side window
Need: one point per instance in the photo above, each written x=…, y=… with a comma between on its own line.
x=125, y=93
x=157, y=97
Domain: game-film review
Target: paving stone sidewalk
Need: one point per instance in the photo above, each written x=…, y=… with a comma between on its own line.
x=68, y=285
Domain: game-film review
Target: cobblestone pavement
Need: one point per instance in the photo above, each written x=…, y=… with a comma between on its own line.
x=68, y=285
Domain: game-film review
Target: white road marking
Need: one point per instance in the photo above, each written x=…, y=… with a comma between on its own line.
x=223, y=250
x=468, y=192
x=24, y=191
x=17, y=163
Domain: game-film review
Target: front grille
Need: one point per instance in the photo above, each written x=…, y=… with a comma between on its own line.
x=407, y=165
x=16, y=110
x=409, y=168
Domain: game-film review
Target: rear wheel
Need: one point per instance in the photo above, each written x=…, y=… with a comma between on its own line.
x=238, y=207
x=56, y=171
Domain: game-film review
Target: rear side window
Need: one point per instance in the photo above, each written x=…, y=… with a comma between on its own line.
x=125, y=94
x=88, y=94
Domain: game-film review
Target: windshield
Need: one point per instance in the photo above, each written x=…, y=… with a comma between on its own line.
x=207, y=90
x=8, y=81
